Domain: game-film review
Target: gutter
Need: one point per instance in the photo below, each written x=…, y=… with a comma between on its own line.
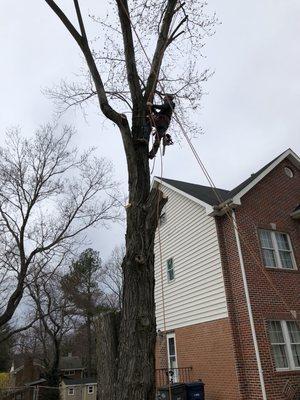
x=249, y=308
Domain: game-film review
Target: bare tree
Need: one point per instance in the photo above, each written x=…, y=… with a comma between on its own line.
x=6, y=345
x=112, y=279
x=56, y=320
x=49, y=194
x=121, y=74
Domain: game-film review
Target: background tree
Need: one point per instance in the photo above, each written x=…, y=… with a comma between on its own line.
x=113, y=277
x=49, y=194
x=118, y=73
x=82, y=287
x=56, y=320
x=6, y=346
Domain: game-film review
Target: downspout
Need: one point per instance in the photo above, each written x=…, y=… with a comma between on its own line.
x=260, y=371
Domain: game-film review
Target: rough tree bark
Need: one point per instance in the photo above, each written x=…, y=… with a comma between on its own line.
x=107, y=328
x=131, y=366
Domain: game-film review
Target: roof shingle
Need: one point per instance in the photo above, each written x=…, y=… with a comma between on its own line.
x=82, y=381
x=70, y=362
x=200, y=192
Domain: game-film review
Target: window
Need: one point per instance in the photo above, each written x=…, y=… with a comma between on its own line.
x=276, y=249
x=172, y=357
x=163, y=216
x=70, y=372
x=90, y=389
x=285, y=342
x=289, y=172
x=294, y=335
x=71, y=391
x=170, y=270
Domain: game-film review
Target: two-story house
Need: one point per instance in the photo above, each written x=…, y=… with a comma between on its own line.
x=228, y=284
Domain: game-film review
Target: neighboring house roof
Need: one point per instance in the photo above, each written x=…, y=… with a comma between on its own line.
x=207, y=196
x=14, y=370
x=70, y=362
x=83, y=381
x=34, y=383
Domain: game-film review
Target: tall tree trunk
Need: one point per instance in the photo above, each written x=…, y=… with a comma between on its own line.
x=137, y=331
x=53, y=374
x=135, y=364
x=136, y=368
x=107, y=329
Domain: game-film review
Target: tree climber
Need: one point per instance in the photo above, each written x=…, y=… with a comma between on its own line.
x=161, y=120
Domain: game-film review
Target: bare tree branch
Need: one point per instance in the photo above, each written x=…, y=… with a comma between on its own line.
x=80, y=20
x=159, y=53
x=107, y=110
x=62, y=16
x=129, y=52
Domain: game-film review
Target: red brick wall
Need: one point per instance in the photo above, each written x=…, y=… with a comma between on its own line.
x=208, y=349
x=271, y=201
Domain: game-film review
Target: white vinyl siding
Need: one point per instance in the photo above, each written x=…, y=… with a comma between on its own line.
x=189, y=237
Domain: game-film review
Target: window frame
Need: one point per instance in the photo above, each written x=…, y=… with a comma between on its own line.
x=276, y=250
x=69, y=389
x=288, y=346
x=170, y=368
x=163, y=216
x=173, y=269
x=90, y=386
x=69, y=372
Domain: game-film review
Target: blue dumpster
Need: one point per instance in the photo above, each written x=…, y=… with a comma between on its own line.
x=195, y=390
x=178, y=392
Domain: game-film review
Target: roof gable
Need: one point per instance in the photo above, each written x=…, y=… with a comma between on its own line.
x=239, y=191
x=70, y=362
x=206, y=196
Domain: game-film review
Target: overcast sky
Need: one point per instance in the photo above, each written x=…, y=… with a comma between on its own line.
x=249, y=115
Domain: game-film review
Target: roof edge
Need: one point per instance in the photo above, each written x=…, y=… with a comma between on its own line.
x=236, y=199
x=208, y=208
